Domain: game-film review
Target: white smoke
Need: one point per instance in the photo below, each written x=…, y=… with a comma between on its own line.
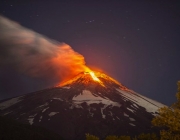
x=36, y=55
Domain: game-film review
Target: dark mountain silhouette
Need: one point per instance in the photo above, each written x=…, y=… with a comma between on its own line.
x=89, y=103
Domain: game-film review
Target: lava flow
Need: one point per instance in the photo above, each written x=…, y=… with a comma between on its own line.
x=94, y=77
x=87, y=76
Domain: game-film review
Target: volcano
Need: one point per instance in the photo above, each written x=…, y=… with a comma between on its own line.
x=91, y=102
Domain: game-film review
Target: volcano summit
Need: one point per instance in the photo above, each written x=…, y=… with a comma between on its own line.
x=89, y=103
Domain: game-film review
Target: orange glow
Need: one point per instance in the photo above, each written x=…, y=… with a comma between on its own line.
x=94, y=76
x=67, y=63
x=88, y=76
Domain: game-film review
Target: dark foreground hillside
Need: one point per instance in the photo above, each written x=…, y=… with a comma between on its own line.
x=13, y=130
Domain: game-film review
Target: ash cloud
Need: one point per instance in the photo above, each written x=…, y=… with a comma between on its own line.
x=35, y=55
x=30, y=61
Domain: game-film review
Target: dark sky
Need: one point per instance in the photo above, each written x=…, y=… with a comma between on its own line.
x=135, y=42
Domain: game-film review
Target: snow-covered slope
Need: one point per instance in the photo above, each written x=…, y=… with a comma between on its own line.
x=83, y=105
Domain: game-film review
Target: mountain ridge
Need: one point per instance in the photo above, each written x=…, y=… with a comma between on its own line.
x=89, y=103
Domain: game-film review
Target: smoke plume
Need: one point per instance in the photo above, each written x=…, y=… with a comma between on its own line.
x=35, y=55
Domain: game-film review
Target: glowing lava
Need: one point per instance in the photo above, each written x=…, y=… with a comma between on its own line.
x=88, y=76
x=94, y=76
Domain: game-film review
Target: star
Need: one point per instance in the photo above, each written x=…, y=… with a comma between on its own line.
x=90, y=21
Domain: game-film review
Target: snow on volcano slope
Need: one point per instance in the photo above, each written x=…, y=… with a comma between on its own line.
x=89, y=98
x=8, y=103
x=149, y=104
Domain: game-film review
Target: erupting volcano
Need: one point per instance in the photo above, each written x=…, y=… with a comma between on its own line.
x=91, y=102
x=88, y=76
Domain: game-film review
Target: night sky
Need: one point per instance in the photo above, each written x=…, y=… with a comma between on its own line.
x=135, y=42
